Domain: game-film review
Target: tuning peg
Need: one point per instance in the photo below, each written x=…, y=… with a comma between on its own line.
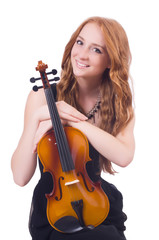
x=54, y=79
x=54, y=72
x=33, y=80
x=36, y=88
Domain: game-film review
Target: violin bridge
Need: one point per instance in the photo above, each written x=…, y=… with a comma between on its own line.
x=72, y=182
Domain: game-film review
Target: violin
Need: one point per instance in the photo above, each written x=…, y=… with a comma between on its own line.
x=76, y=202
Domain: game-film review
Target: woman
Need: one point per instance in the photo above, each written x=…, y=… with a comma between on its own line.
x=93, y=96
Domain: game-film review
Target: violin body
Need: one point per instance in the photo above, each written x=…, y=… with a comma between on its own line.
x=75, y=202
x=73, y=186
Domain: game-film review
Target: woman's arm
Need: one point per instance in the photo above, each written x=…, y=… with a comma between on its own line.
x=36, y=123
x=119, y=149
x=23, y=162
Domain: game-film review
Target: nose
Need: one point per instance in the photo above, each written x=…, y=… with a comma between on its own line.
x=84, y=53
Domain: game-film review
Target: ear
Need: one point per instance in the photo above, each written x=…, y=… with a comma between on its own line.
x=108, y=67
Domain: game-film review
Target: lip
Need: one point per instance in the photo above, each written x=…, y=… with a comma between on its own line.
x=81, y=65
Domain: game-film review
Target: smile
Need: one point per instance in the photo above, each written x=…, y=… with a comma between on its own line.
x=81, y=65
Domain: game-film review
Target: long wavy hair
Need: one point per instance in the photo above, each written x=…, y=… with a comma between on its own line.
x=116, y=104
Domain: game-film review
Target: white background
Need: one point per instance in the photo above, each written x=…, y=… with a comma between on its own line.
x=35, y=30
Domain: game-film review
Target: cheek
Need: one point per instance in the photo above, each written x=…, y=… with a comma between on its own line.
x=100, y=66
x=74, y=50
x=105, y=63
x=73, y=54
x=100, y=63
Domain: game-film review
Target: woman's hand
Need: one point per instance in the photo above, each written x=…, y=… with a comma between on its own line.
x=36, y=123
x=44, y=126
x=67, y=114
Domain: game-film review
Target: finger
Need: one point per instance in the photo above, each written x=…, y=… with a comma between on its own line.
x=66, y=111
x=44, y=126
x=34, y=149
x=76, y=114
x=66, y=117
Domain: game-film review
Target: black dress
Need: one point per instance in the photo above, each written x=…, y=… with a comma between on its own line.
x=111, y=229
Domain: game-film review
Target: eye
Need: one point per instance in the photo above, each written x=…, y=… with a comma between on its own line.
x=79, y=42
x=97, y=50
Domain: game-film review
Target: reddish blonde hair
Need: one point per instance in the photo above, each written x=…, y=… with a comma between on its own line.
x=116, y=105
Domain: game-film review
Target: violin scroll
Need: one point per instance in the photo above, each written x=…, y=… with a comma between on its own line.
x=41, y=67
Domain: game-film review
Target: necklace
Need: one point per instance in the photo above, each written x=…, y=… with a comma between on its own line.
x=91, y=113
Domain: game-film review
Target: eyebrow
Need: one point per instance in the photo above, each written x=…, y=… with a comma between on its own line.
x=95, y=44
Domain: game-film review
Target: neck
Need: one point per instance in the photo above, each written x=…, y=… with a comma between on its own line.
x=88, y=94
x=88, y=88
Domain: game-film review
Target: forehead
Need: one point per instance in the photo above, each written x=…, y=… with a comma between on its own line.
x=92, y=33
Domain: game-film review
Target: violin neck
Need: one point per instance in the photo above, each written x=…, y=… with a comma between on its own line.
x=62, y=144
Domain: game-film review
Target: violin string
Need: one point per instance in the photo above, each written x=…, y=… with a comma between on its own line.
x=55, y=125
x=61, y=138
x=61, y=141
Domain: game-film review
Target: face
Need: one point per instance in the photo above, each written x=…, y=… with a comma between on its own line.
x=89, y=56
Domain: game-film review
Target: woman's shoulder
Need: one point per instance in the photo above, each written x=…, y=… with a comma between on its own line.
x=34, y=101
x=36, y=98
x=39, y=96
